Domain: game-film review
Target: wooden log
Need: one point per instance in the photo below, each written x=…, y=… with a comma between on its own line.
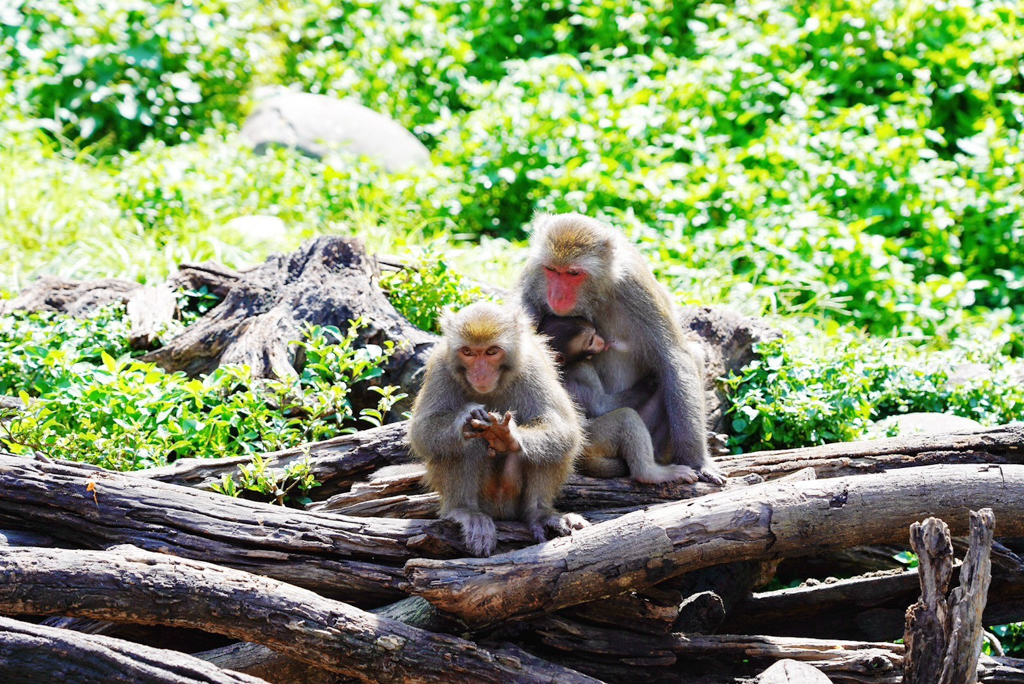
x=72, y=297
x=150, y=310
x=266, y=663
x=841, y=661
x=763, y=522
x=1002, y=444
x=867, y=608
x=335, y=463
x=388, y=494
x=34, y=653
x=339, y=556
x=967, y=603
x=150, y=588
x=340, y=462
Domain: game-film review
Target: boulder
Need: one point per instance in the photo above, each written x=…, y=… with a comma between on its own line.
x=922, y=423
x=317, y=125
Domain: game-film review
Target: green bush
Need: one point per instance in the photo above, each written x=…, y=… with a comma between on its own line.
x=90, y=401
x=115, y=73
x=425, y=289
x=804, y=391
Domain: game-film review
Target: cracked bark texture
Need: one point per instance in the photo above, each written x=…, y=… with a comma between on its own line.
x=150, y=588
x=763, y=522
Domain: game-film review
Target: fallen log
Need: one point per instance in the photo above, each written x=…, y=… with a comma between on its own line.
x=763, y=522
x=1001, y=444
x=740, y=655
x=335, y=463
x=615, y=655
x=29, y=653
x=336, y=555
x=792, y=672
x=340, y=462
x=262, y=661
x=404, y=494
x=864, y=608
x=133, y=585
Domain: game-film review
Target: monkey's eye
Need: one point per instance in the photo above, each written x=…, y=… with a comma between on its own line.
x=573, y=272
x=550, y=269
x=491, y=351
x=466, y=351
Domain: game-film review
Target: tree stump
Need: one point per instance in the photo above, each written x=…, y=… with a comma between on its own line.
x=944, y=634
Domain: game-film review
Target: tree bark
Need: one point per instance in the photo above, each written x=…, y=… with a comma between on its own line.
x=1001, y=444
x=841, y=661
x=764, y=522
x=138, y=586
x=339, y=556
x=33, y=653
x=329, y=281
x=944, y=634
x=339, y=463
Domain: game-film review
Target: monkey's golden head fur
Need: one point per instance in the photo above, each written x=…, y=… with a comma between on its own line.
x=483, y=324
x=574, y=241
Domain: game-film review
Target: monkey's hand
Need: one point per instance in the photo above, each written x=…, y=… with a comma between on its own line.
x=498, y=431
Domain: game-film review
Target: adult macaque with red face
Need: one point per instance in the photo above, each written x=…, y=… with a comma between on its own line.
x=580, y=267
x=496, y=430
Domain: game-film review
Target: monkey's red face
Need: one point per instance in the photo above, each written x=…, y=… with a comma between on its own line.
x=483, y=367
x=563, y=288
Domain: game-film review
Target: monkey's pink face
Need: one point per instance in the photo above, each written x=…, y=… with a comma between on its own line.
x=483, y=367
x=563, y=288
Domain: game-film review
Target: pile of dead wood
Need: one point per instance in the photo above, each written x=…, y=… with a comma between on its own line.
x=118, y=576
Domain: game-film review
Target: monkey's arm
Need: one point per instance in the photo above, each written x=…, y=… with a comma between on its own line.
x=551, y=437
x=584, y=385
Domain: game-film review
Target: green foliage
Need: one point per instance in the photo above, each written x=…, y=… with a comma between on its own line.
x=120, y=71
x=503, y=30
x=422, y=291
x=804, y=392
x=270, y=483
x=1012, y=638
x=90, y=401
x=856, y=164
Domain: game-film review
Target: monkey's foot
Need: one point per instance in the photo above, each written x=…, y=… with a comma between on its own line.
x=669, y=473
x=712, y=474
x=477, y=531
x=561, y=525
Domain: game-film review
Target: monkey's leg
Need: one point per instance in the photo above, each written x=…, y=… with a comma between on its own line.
x=459, y=482
x=625, y=431
x=541, y=486
x=600, y=458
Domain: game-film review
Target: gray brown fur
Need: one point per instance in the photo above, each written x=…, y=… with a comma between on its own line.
x=546, y=424
x=624, y=301
x=618, y=443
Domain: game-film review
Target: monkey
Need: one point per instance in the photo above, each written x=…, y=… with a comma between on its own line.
x=578, y=266
x=496, y=430
x=618, y=443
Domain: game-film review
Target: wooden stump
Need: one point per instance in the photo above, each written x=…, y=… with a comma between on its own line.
x=944, y=634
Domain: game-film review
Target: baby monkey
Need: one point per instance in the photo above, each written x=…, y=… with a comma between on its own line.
x=618, y=441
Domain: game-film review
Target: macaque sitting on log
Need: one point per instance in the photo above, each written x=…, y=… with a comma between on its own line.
x=498, y=433
x=618, y=442
x=580, y=267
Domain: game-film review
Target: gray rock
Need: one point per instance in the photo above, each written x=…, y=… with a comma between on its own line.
x=923, y=423
x=316, y=125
